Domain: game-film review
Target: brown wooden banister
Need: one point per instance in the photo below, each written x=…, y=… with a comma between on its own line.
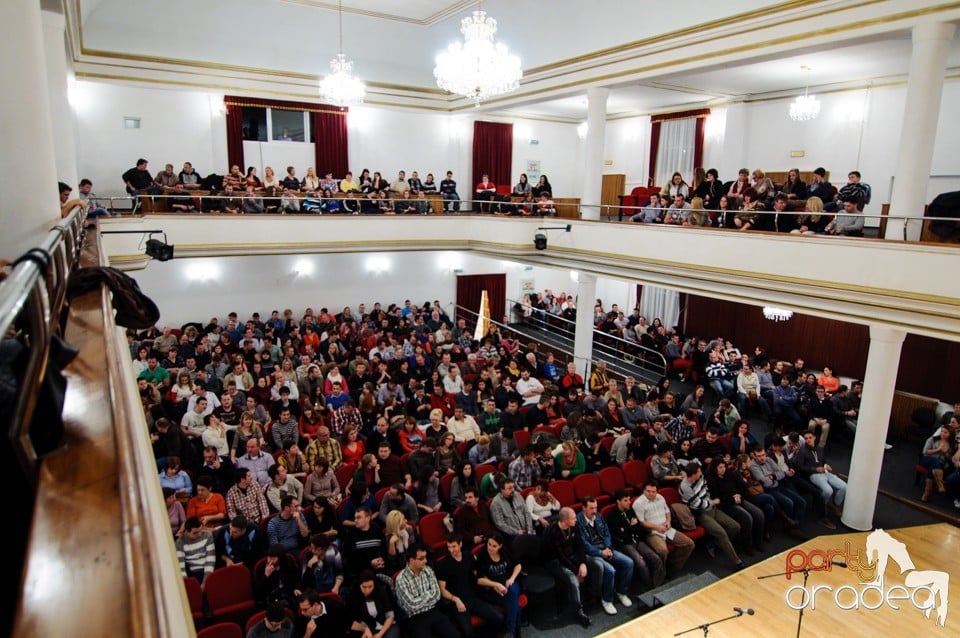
x=100, y=556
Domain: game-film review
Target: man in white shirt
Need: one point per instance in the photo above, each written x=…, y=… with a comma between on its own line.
x=453, y=382
x=654, y=514
x=529, y=388
x=463, y=426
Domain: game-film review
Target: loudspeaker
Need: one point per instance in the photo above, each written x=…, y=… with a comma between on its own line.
x=540, y=241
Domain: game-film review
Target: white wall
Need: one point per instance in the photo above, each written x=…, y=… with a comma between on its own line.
x=855, y=130
x=179, y=126
x=628, y=146
x=175, y=127
x=199, y=288
x=559, y=151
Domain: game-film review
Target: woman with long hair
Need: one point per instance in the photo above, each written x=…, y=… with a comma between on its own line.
x=446, y=457
x=497, y=575
x=543, y=506
x=523, y=186
x=252, y=179
x=676, y=186
x=570, y=461
x=543, y=186
x=351, y=445
x=465, y=478
x=247, y=429
x=400, y=537
x=426, y=491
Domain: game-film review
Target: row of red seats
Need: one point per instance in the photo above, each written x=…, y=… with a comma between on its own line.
x=227, y=603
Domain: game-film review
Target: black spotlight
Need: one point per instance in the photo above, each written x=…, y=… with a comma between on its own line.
x=161, y=251
x=540, y=241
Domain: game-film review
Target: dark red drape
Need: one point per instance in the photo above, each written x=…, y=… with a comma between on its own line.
x=825, y=342
x=819, y=341
x=235, y=136
x=330, y=150
x=654, y=149
x=492, y=155
x=469, y=292
x=698, y=142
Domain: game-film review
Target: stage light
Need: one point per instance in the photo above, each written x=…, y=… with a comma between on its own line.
x=540, y=241
x=159, y=250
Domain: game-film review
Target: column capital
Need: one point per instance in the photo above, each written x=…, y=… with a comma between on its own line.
x=598, y=92
x=933, y=31
x=53, y=20
x=887, y=334
x=585, y=278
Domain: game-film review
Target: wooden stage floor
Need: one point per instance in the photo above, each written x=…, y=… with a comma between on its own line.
x=933, y=549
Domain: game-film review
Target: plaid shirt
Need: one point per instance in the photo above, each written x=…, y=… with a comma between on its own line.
x=252, y=503
x=319, y=450
x=341, y=419
x=417, y=594
x=678, y=429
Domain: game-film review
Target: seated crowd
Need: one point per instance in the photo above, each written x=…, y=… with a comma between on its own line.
x=388, y=458
x=754, y=202
x=370, y=193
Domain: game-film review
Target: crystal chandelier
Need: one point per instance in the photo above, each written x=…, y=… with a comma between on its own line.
x=340, y=87
x=478, y=68
x=776, y=314
x=806, y=106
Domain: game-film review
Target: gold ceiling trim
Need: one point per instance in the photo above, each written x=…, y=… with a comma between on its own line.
x=790, y=39
x=696, y=29
x=432, y=19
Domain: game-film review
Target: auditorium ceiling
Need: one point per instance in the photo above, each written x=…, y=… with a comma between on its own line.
x=654, y=55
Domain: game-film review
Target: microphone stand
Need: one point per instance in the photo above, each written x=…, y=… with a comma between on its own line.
x=706, y=626
x=806, y=575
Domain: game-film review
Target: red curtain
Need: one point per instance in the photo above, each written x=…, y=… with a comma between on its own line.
x=492, y=155
x=698, y=142
x=235, y=136
x=469, y=293
x=654, y=149
x=330, y=150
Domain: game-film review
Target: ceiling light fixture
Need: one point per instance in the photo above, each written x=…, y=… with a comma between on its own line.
x=340, y=87
x=806, y=106
x=777, y=314
x=478, y=68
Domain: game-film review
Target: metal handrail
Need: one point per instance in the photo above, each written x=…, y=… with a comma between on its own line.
x=626, y=346
x=31, y=301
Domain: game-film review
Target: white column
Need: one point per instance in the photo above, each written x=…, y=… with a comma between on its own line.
x=61, y=116
x=879, y=383
x=27, y=150
x=593, y=166
x=583, y=339
x=931, y=44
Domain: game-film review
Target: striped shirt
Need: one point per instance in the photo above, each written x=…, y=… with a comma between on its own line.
x=696, y=495
x=196, y=555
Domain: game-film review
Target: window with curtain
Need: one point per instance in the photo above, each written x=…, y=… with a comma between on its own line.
x=259, y=120
x=676, y=145
x=660, y=303
x=675, y=152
